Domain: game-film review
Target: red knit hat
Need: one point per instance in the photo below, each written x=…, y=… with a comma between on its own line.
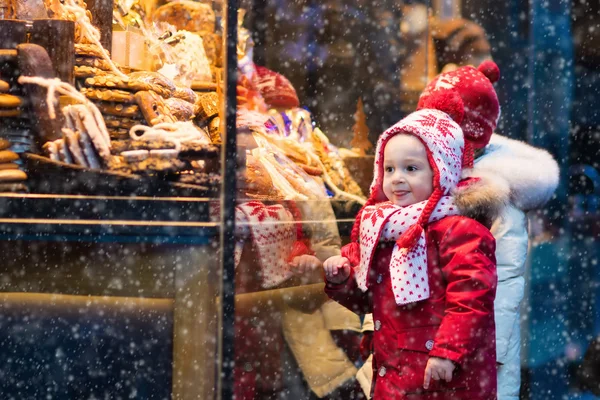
x=276, y=89
x=444, y=142
x=481, y=106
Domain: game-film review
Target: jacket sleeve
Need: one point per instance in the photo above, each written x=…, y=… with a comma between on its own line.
x=466, y=257
x=510, y=231
x=349, y=295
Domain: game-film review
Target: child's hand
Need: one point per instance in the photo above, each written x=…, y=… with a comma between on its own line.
x=305, y=264
x=337, y=269
x=436, y=369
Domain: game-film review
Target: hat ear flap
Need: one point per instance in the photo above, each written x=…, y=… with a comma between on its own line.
x=448, y=101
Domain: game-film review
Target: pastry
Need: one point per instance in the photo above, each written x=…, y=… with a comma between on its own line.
x=200, y=178
x=9, y=166
x=88, y=50
x=153, y=79
x=114, y=82
x=12, y=175
x=118, y=134
x=116, y=95
x=8, y=101
x=197, y=150
x=207, y=106
x=93, y=62
x=180, y=109
x=187, y=15
x=8, y=156
x=10, y=113
x=186, y=94
x=4, y=144
x=82, y=71
x=13, y=188
x=212, y=47
x=157, y=164
x=258, y=181
x=122, y=122
x=119, y=109
x=119, y=146
x=153, y=108
x=4, y=86
x=214, y=130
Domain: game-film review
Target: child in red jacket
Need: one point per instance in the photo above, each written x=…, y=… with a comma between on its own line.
x=426, y=272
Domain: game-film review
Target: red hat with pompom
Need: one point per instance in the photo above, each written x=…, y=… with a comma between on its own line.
x=480, y=102
x=276, y=89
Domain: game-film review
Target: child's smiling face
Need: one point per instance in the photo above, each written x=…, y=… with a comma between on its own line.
x=407, y=175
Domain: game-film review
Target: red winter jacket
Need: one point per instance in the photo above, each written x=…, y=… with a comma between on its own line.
x=456, y=322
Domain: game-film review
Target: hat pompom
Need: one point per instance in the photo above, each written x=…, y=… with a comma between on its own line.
x=448, y=101
x=490, y=70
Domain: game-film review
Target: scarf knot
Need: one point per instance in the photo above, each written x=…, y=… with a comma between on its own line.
x=408, y=266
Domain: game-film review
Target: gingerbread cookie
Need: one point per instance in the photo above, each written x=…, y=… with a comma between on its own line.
x=186, y=94
x=119, y=110
x=8, y=113
x=116, y=95
x=82, y=71
x=12, y=188
x=12, y=175
x=155, y=79
x=126, y=124
x=4, y=144
x=200, y=178
x=118, y=134
x=214, y=130
x=112, y=121
x=4, y=166
x=157, y=164
x=180, y=109
x=8, y=101
x=197, y=150
x=120, y=146
x=131, y=84
x=153, y=108
x=207, y=106
x=88, y=50
x=93, y=62
x=8, y=156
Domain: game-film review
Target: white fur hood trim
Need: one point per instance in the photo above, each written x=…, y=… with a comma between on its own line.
x=531, y=173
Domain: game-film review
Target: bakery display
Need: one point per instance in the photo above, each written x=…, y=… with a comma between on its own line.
x=166, y=124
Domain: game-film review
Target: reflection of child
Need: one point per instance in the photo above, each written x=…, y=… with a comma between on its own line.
x=426, y=272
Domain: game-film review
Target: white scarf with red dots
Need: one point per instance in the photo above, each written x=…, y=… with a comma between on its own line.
x=408, y=267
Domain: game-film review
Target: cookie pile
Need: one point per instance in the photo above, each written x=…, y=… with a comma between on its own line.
x=11, y=176
x=138, y=100
x=89, y=62
x=15, y=129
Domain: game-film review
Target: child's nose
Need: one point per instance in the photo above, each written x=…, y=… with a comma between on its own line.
x=398, y=177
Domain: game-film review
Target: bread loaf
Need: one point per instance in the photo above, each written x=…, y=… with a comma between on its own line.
x=187, y=15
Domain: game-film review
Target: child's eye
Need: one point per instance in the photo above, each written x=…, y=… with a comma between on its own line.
x=411, y=168
x=389, y=169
